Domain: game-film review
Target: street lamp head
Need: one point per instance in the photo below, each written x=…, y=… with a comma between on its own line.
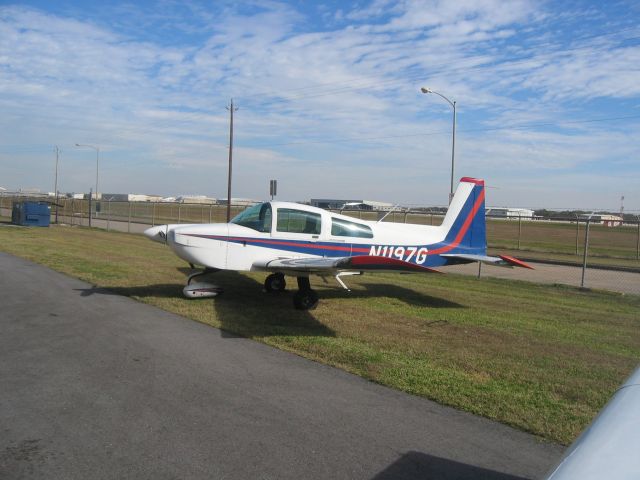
x=426, y=90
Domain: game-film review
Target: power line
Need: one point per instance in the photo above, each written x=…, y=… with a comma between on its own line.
x=441, y=132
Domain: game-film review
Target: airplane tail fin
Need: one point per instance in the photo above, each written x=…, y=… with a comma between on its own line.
x=464, y=222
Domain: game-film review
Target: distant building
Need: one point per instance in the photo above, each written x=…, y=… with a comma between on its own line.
x=604, y=219
x=138, y=197
x=509, y=212
x=335, y=204
x=238, y=201
x=130, y=197
x=332, y=204
x=196, y=199
x=85, y=196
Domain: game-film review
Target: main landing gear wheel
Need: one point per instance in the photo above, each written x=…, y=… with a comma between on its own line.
x=275, y=283
x=305, y=298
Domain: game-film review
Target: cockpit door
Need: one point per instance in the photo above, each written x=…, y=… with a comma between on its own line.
x=297, y=224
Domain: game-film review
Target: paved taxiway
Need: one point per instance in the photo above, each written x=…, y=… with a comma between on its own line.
x=95, y=385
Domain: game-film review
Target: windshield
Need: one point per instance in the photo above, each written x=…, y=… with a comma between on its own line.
x=257, y=217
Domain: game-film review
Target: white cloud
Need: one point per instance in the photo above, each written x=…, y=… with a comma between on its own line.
x=157, y=107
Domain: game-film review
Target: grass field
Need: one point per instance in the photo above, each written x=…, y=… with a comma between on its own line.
x=544, y=359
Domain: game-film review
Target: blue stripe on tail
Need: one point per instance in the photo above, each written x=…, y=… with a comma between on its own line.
x=474, y=240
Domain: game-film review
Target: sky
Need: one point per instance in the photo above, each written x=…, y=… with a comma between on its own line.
x=328, y=99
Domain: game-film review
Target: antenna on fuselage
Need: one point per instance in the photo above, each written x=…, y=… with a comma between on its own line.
x=388, y=213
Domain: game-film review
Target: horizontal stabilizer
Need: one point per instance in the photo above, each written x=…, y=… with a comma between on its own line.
x=515, y=262
x=500, y=261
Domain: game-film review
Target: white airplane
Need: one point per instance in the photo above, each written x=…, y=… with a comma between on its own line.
x=608, y=448
x=300, y=240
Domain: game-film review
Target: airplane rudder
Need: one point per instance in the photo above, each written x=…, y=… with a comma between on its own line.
x=468, y=230
x=478, y=230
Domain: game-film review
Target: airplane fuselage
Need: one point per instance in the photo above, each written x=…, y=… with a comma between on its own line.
x=275, y=230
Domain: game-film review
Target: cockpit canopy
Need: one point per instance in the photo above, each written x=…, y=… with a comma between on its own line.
x=257, y=217
x=292, y=220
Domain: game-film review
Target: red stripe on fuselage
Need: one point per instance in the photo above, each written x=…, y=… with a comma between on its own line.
x=266, y=241
x=353, y=248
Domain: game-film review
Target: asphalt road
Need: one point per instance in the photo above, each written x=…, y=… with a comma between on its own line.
x=95, y=385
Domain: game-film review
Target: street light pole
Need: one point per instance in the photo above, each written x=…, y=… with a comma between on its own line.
x=453, y=135
x=55, y=186
x=231, y=109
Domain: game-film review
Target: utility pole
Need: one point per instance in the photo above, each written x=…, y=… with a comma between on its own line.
x=55, y=187
x=231, y=109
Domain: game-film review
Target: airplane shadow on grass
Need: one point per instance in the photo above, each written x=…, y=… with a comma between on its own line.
x=242, y=310
x=331, y=290
x=376, y=290
x=245, y=309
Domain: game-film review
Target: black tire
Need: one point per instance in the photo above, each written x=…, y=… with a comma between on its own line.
x=305, y=300
x=275, y=283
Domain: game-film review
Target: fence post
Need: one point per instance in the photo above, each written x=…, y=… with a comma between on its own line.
x=90, y=194
x=519, y=229
x=179, y=213
x=73, y=212
x=210, y=208
x=153, y=215
x=577, y=232
x=586, y=249
x=108, y=214
x=129, y=222
x=638, y=241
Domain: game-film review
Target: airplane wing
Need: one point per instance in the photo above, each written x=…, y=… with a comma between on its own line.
x=499, y=261
x=608, y=448
x=359, y=263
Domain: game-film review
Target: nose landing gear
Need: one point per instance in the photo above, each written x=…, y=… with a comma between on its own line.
x=201, y=289
x=275, y=283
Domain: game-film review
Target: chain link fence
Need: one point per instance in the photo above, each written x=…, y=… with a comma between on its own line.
x=586, y=251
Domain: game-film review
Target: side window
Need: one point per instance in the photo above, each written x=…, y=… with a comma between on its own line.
x=298, y=221
x=344, y=228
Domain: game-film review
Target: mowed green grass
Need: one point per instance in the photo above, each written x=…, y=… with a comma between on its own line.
x=607, y=245
x=542, y=358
